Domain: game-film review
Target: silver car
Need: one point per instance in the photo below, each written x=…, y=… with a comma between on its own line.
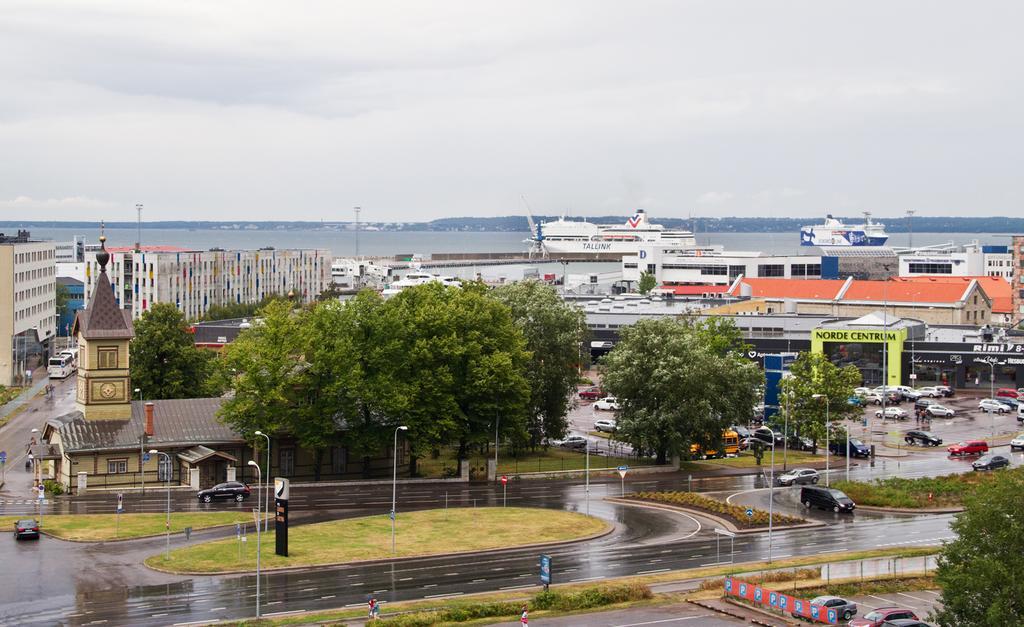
x=845, y=610
x=939, y=411
x=799, y=476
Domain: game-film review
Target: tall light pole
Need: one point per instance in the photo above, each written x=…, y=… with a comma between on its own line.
x=992, y=395
x=167, y=525
x=785, y=430
x=266, y=505
x=771, y=497
x=142, y=448
x=826, y=435
x=587, y=489
x=394, y=485
x=36, y=476
x=910, y=227
x=259, y=478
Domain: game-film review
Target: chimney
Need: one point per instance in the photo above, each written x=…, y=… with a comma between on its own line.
x=149, y=419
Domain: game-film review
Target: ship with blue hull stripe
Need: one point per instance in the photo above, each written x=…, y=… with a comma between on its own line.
x=833, y=232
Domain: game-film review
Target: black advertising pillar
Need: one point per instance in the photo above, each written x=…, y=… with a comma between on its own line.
x=281, y=516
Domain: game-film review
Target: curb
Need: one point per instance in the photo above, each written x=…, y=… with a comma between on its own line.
x=146, y=537
x=729, y=525
x=762, y=612
x=906, y=510
x=737, y=615
x=611, y=527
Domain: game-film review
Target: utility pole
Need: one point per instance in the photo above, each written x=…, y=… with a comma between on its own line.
x=138, y=234
x=910, y=227
x=357, y=210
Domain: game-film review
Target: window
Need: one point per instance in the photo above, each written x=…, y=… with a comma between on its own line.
x=117, y=466
x=106, y=358
x=286, y=461
x=930, y=268
x=771, y=270
x=339, y=459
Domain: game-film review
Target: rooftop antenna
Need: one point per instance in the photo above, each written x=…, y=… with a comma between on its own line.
x=910, y=227
x=138, y=235
x=357, y=210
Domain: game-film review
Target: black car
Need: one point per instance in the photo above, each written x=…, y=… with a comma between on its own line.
x=924, y=438
x=990, y=462
x=26, y=528
x=826, y=498
x=229, y=490
x=765, y=435
x=1012, y=402
x=923, y=403
x=743, y=432
x=798, y=443
x=856, y=448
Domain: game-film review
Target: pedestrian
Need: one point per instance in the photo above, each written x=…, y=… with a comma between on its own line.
x=524, y=618
x=374, y=613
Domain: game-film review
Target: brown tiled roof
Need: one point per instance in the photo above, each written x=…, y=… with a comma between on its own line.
x=176, y=423
x=103, y=318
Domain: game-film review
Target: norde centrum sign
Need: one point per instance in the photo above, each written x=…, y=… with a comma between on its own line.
x=830, y=335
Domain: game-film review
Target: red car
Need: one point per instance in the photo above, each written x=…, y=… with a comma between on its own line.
x=971, y=447
x=878, y=617
x=1007, y=393
x=591, y=394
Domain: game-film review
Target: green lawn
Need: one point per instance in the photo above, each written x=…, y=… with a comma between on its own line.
x=945, y=491
x=539, y=461
x=746, y=459
x=99, y=527
x=427, y=532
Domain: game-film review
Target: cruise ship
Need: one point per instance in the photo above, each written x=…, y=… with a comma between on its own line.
x=579, y=237
x=835, y=233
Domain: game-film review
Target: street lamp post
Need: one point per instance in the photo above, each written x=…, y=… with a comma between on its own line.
x=36, y=475
x=142, y=450
x=785, y=431
x=771, y=497
x=267, y=486
x=259, y=478
x=827, y=429
x=846, y=426
x=587, y=488
x=992, y=395
x=167, y=524
x=394, y=485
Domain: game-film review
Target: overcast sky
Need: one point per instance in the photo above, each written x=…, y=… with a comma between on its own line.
x=416, y=110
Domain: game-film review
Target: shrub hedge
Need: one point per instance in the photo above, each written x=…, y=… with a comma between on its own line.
x=736, y=513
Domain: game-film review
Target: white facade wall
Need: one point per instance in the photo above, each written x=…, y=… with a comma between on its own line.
x=713, y=266
x=196, y=281
x=28, y=298
x=999, y=264
x=968, y=262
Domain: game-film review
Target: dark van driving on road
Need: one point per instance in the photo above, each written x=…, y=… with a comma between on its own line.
x=826, y=498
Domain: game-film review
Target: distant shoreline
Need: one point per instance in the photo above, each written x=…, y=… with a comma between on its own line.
x=519, y=224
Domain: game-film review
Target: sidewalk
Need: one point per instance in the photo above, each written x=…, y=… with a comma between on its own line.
x=26, y=395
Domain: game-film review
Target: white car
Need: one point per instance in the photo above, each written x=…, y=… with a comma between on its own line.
x=992, y=405
x=894, y=413
x=1017, y=442
x=608, y=403
x=930, y=392
x=799, y=475
x=862, y=391
x=572, y=441
x=908, y=393
x=939, y=411
x=605, y=425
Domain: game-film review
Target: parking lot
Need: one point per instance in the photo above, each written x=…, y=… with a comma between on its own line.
x=921, y=601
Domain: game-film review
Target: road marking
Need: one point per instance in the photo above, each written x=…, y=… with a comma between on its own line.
x=664, y=620
x=217, y=609
x=516, y=587
x=450, y=574
x=884, y=601
x=438, y=596
x=666, y=551
x=328, y=596
x=273, y=603
x=357, y=583
x=307, y=590
x=910, y=596
x=477, y=580
x=932, y=592
x=379, y=591
x=405, y=579
x=155, y=615
x=587, y=578
x=430, y=585
x=648, y=572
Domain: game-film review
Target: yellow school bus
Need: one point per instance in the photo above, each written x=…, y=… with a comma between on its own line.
x=730, y=442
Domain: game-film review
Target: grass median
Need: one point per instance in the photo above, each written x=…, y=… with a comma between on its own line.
x=102, y=527
x=919, y=493
x=746, y=459
x=429, y=532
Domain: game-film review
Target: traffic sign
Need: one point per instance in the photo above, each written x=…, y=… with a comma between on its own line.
x=3, y=457
x=750, y=513
x=545, y=569
x=42, y=492
x=120, y=502
x=622, y=471
x=504, y=480
x=145, y=457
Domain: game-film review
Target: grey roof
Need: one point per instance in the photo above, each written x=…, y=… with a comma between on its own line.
x=199, y=453
x=176, y=423
x=103, y=318
x=68, y=280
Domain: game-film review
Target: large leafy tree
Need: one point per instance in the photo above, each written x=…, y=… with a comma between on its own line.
x=165, y=362
x=978, y=570
x=464, y=360
x=813, y=374
x=680, y=382
x=553, y=330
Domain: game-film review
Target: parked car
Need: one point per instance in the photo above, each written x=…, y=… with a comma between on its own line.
x=1007, y=393
x=908, y=393
x=1017, y=442
x=946, y=390
x=970, y=447
x=591, y=394
x=862, y=391
x=800, y=443
x=742, y=432
x=905, y=622
x=991, y=405
x=939, y=411
x=1011, y=402
x=228, y=490
x=924, y=438
x=856, y=401
x=605, y=425
x=990, y=462
x=891, y=413
x=26, y=528
x=878, y=616
x=572, y=441
x=764, y=434
x=844, y=609
x=608, y=403
x=923, y=403
x=853, y=446
x=893, y=398
x=799, y=476
x=930, y=391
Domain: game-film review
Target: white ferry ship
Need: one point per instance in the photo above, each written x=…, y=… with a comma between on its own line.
x=835, y=233
x=581, y=237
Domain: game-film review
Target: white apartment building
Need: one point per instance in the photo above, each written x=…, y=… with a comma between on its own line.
x=195, y=280
x=70, y=252
x=28, y=308
x=672, y=264
x=957, y=260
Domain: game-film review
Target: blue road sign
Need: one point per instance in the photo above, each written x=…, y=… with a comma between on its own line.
x=145, y=457
x=622, y=468
x=832, y=617
x=392, y=515
x=3, y=457
x=545, y=569
x=750, y=513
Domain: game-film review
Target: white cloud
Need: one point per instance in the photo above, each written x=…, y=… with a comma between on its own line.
x=715, y=198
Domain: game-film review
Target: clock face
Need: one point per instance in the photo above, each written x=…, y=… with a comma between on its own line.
x=107, y=390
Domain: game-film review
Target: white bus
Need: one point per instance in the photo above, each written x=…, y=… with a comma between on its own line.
x=62, y=366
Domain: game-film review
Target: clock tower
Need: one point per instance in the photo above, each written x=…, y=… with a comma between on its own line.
x=103, y=331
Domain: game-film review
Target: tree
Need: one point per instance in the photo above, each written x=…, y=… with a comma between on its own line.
x=61, y=298
x=680, y=382
x=813, y=374
x=165, y=362
x=554, y=330
x=978, y=569
x=239, y=310
x=465, y=361
x=647, y=283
